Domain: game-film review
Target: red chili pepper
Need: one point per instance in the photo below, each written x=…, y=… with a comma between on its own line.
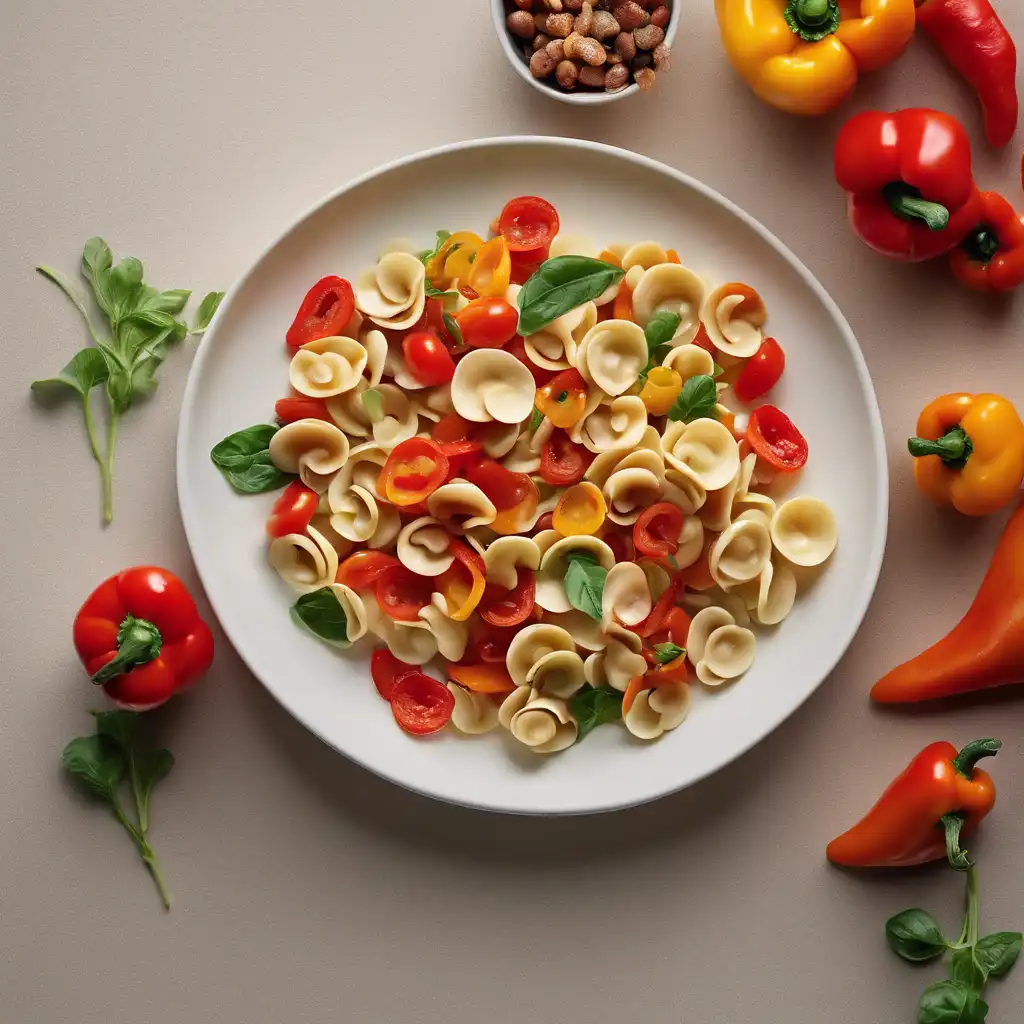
x=775, y=438
x=288, y=410
x=761, y=372
x=656, y=531
x=562, y=461
x=140, y=636
x=971, y=37
x=326, y=309
x=413, y=471
x=940, y=797
x=991, y=257
x=911, y=191
x=421, y=705
x=502, y=607
x=293, y=511
x=401, y=593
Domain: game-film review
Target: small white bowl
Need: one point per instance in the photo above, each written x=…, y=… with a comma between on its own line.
x=584, y=98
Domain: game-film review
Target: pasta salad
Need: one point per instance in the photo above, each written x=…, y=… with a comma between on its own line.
x=544, y=466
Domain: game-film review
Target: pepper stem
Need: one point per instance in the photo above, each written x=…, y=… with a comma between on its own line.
x=905, y=201
x=981, y=244
x=958, y=859
x=954, y=447
x=812, y=20
x=138, y=642
x=965, y=761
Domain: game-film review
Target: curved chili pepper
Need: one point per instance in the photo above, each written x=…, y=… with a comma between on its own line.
x=140, y=637
x=971, y=37
x=985, y=649
x=940, y=797
x=991, y=257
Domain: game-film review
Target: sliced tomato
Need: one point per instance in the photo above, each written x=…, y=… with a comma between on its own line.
x=433, y=320
x=489, y=678
x=528, y=223
x=656, y=531
x=547, y=522
x=401, y=593
x=324, y=313
x=459, y=454
x=288, y=410
x=293, y=511
x=662, y=607
x=562, y=461
x=620, y=544
x=518, y=518
x=761, y=372
x=413, y=471
x=421, y=705
x=503, y=607
x=775, y=438
x=489, y=643
x=526, y=264
x=360, y=571
x=386, y=670
x=462, y=584
x=451, y=428
x=428, y=359
x=488, y=322
x=541, y=376
x=505, y=489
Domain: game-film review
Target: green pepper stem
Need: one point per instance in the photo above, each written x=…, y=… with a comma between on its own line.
x=812, y=12
x=958, y=859
x=905, y=201
x=138, y=642
x=982, y=244
x=954, y=447
x=812, y=20
x=965, y=761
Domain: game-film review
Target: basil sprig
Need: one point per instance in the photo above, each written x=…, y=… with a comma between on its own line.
x=668, y=652
x=584, y=583
x=696, y=401
x=594, y=706
x=562, y=284
x=244, y=460
x=322, y=615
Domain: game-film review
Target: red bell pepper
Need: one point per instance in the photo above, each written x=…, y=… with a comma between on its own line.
x=326, y=309
x=991, y=257
x=971, y=37
x=140, y=637
x=911, y=191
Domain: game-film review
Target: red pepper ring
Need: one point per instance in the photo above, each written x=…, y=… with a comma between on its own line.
x=413, y=471
x=774, y=437
x=562, y=461
x=502, y=607
x=991, y=257
x=401, y=593
x=656, y=531
x=326, y=309
x=421, y=705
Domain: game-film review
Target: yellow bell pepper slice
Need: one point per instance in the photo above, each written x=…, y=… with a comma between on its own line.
x=580, y=511
x=491, y=270
x=467, y=242
x=661, y=390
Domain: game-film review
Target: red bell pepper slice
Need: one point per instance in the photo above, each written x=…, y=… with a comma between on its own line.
x=562, y=461
x=401, y=593
x=386, y=670
x=503, y=607
x=991, y=257
x=361, y=570
x=656, y=531
x=459, y=455
x=775, y=438
x=293, y=511
x=413, y=471
x=911, y=191
x=326, y=309
x=299, y=407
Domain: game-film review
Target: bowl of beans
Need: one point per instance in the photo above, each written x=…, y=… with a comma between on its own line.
x=587, y=51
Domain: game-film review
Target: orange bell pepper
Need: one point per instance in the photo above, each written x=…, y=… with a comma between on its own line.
x=985, y=649
x=969, y=452
x=483, y=678
x=462, y=584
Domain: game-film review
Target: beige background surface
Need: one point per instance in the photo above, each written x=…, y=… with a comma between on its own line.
x=307, y=890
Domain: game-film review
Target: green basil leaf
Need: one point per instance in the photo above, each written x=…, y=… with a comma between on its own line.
x=205, y=313
x=584, y=585
x=322, y=614
x=696, y=401
x=451, y=325
x=119, y=390
x=96, y=260
x=435, y=293
x=668, y=652
x=536, y=419
x=96, y=763
x=86, y=369
x=152, y=318
x=244, y=460
x=150, y=768
x=118, y=726
x=592, y=707
x=661, y=330
x=428, y=254
x=124, y=288
x=998, y=952
x=966, y=969
x=562, y=284
x=915, y=935
x=172, y=302
x=946, y=1002
x=373, y=403
x=717, y=370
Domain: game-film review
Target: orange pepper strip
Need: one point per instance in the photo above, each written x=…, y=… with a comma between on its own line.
x=622, y=308
x=513, y=520
x=461, y=596
x=698, y=576
x=673, y=256
x=485, y=678
x=607, y=256
x=491, y=271
x=633, y=690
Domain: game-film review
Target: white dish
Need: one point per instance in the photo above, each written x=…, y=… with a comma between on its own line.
x=241, y=369
x=583, y=97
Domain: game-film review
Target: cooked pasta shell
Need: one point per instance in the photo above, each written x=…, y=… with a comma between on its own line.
x=362, y=468
x=558, y=674
x=776, y=593
x=321, y=522
x=753, y=506
x=399, y=420
x=315, y=449
x=616, y=425
x=545, y=725
x=473, y=713
x=729, y=651
x=581, y=627
x=546, y=539
x=354, y=609
x=682, y=488
x=733, y=316
x=306, y=562
x=704, y=447
x=691, y=542
x=491, y=384
x=626, y=599
x=451, y=636
x=556, y=346
x=704, y=623
x=353, y=512
x=513, y=703
x=647, y=455
x=657, y=711
x=619, y=662
x=628, y=492
x=497, y=439
x=389, y=523
x=504, y=557
x=522, y=458
x=349, y=411
x=424, y=546
x=595, y=397
x=804, y=531
x=612, y=354
x=327, y=367
x=670, y=288
x=460, y=505
x=707, y=677
x=411, y=642
x=740, y=553
x=657, y=575
x=531, y=644
x=573, y=245
x=554, y=563
x=391, y=294
x=376, y=346
x=690, y=361
x=643, y=255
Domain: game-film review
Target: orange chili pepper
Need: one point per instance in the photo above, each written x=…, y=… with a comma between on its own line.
x=491, y=270
x=491, y=677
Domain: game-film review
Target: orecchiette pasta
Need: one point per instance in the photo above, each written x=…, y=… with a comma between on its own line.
x=545, y=725
x=424, y=547
x=315, y=449
x=705, y=448
x=391, y=294
x=530, y=645
x=460, y=506
x=612, y=354
x=551, y=594
x=474, y=713
x=733, y=316
x=655, y=712
x=740, y=553
x=581, y=627
x=353, y=512
x=670, y=288
x=776, y=593
x=327, y=367
x=644, y=255
x=619, y=662
x=690, y=361
x=451, y=636
x=558, y=674
x=804, y=531
x=349, y=411
x=306, y=562
x=617, y=425
x=491, y=384
x=626, y=599
x=398, y=420
x=729, y=651
x=506, y=555
x=628, y=491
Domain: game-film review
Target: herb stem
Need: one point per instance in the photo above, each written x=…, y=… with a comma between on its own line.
x=90, y=429
x=145, y=850
x=107, y=467
x=141, y=806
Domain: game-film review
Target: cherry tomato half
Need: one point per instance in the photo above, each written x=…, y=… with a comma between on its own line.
x=528, y=223
x=433, y=320
x=656, y=531
x=488, y=323
x=504, y=488
x=413, y=471
x=563, y=399
x=526, y=264
x=459, y=454
x=562, y=461
x=360, y=571
x=401, y=593
x=421, y=705
x=762, y=371
x=293, y=511
x=502, y=607
x=386, y=670
x=451, y=428
x=427, y=358
x=775, y=438
x=326, y=309
x=288, y=410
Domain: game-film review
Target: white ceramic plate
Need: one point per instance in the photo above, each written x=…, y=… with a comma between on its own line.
x=241, y=369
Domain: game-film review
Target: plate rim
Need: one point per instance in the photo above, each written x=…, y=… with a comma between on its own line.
x=190, y=519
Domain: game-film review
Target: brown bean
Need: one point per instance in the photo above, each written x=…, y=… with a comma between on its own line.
x=540, y=41
x=541, y=64
x=662, y=53
x=625, y=45
x=629, y=15
x=556, y=50
x=594, y=77
x=566, y=74
x=616, y=77
x=605, y=26
x=585, y=20
x=574, y=5
x=648, y=38
x=521, y=25
x=661, y=16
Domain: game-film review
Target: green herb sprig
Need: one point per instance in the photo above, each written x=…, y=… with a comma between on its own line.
x=696, y=401
x=244, y=460
x=141, y=326
x=584, y=583
x=562, y=284
x=321, y=614
x=593, y=706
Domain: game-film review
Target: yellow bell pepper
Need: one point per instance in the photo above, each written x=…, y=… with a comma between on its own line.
x=661, y=390
x=445, y=266
x=580, y=511
x=804, y=56
x=491, y=270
